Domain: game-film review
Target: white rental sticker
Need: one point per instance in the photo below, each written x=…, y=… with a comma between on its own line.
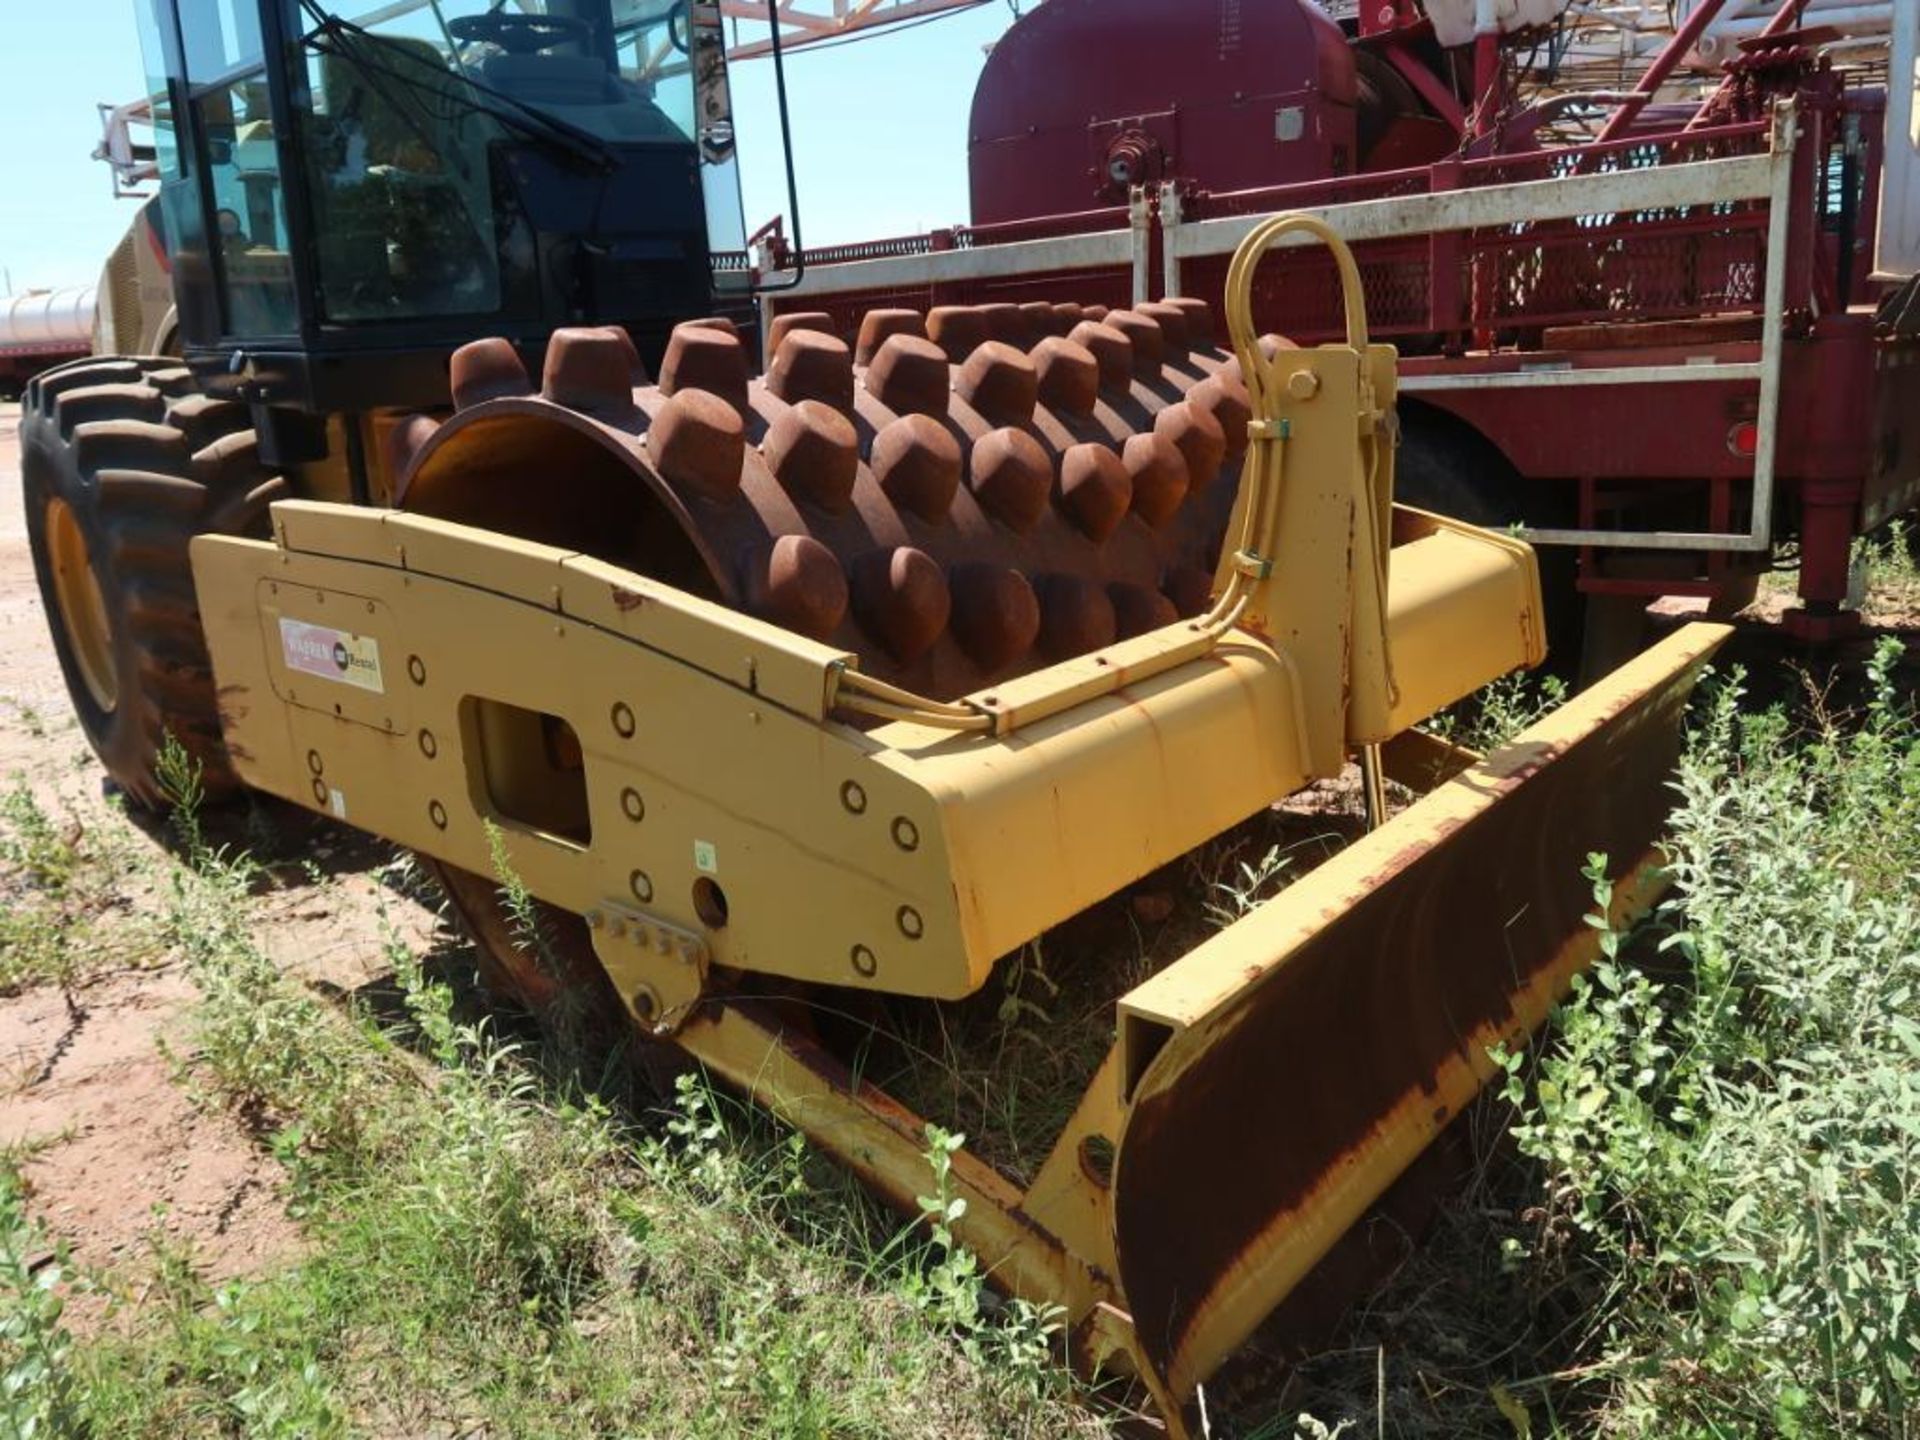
x=332, y=654
x=706, y=859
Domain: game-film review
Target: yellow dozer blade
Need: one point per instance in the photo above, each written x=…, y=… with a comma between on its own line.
x=1276, y=1079
x=740, y=816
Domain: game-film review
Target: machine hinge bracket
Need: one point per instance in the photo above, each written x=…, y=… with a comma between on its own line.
x=660, y=969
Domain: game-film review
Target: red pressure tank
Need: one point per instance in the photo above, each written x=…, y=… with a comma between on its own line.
x=1083, y=98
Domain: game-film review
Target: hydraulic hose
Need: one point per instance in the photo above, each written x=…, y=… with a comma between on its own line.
x=1267, y=432
x=1266, y=454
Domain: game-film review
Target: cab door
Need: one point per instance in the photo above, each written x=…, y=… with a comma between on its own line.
x=241, y=184
x=222, y=196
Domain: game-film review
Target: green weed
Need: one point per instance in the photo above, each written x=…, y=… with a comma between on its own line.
x=1732, y=1135
x=1891, y=560
x=524, y=921
x=490, y=1249
x=1015, y=1339
x=1493, y=716
x=43, y=917
x=183, y=790
x=30, y=718
x=1244, y=887
x=37, y=1390
x=32, y=846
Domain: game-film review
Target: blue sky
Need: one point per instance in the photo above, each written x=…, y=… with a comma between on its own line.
x=880, y=132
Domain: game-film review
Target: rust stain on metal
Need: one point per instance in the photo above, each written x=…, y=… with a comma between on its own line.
x=1431, y=950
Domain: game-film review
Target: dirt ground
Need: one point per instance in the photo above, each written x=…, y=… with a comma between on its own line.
x=117, y=1151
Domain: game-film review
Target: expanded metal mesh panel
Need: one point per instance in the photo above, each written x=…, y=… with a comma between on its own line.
x=870, y=250
x=1673, y=262
x=1603, y=269
x=1651, y=264
x=1619, y=268
x=1677, y=262
x=1080, y=222
x=968, y=237
x=1646, y=154
x=1297, y=292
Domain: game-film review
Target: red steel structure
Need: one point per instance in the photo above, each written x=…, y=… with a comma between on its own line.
x=811, y=22
x=1671, y=351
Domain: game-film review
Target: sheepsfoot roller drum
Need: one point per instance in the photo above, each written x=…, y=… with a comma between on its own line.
x=840, y=687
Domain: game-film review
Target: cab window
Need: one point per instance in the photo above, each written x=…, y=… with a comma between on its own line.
x=227, y=88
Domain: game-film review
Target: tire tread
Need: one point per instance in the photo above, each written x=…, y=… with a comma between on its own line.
x=147, y=461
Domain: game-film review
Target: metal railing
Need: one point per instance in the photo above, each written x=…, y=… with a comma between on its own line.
x=929, y=268
x=1512, y=207
x=1746, y=193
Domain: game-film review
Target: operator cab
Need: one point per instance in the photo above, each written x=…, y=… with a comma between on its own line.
x=352, y=189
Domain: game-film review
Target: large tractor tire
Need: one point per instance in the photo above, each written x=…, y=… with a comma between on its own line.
x=124, y=461
x=1448, y=467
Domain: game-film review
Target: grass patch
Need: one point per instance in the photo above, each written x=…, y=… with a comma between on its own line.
x=63, y=913
x=1891, y=559
x=1495, y=714
x=494, y=1249
x=36, y=1383
x=40, y=925
x=1732, y=1136
x=1695, y=1211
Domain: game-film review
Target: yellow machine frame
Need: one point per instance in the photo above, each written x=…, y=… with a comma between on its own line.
x=720, y=798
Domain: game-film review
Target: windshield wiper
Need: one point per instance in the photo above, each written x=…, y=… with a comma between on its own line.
x=349, y=42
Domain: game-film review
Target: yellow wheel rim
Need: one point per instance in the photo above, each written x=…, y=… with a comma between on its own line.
x=83, y=611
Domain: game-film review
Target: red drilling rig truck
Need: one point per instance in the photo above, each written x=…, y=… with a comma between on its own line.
x=1667, y=325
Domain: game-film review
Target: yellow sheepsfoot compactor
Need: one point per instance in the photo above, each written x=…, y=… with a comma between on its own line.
x=740, y=816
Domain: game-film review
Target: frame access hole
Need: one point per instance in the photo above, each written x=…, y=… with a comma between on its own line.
x=710, y=904
x=532, y=772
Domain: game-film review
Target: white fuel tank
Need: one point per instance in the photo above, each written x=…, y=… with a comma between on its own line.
x=47, y=322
